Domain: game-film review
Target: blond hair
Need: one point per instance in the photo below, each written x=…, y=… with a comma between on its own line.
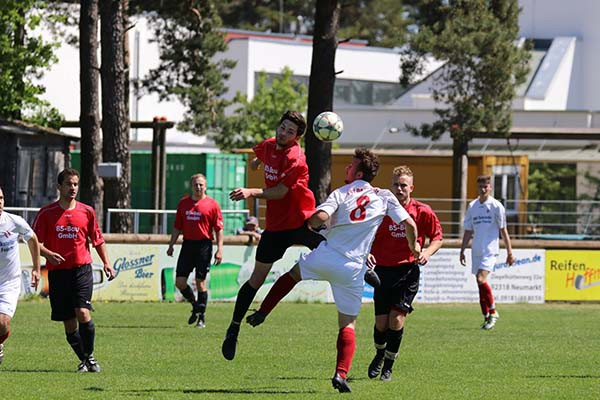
x=402, y=170
x=196, y=176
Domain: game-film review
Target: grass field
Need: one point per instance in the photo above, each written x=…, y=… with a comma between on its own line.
x=147, y=351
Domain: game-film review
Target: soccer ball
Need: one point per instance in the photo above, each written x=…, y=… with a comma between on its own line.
x=328, y=126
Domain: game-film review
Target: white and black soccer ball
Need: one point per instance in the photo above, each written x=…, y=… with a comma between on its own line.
x=328, y=126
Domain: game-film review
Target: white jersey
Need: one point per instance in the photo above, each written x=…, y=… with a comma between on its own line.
x=485, y=220
x=356, y=211
x=11, y=226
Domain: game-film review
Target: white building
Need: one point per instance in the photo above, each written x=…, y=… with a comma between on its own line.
x=561, y=91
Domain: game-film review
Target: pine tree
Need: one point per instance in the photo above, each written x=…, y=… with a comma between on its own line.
x=188, y=38
x=475, y=87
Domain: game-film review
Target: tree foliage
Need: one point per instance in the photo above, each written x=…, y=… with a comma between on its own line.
x=474, y=88
x=552, y=182
x=380, y=22
x=482, y=69
x=255, y=120
x=24, y=56
x=188, y=38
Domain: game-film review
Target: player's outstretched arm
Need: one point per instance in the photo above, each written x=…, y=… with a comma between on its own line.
x=317, y=220
x=273, y=193
x=34, y=249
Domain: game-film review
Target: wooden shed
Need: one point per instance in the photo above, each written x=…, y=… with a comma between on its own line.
x=31, y=157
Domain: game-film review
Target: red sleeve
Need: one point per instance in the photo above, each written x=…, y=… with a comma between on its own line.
x=261, y=149
x=217, y=222
x=96, y=237
x=38, y=226
x=292, y=172
x=434, y=229
x=179, y=217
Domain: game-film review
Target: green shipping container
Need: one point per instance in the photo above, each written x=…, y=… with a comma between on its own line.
x=224, y=172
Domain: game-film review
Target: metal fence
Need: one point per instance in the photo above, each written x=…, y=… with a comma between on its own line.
x=532, y=219
x=29, y=214
x=526, y=219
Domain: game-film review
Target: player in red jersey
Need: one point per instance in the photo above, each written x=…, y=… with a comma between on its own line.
x=197, y=217
x=64, y=229
x=398, y=271
x=354, y=213
x=289, y=204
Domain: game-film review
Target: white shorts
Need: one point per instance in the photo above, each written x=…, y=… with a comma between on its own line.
x=345, y=276
x=485, y=263
x=9, y=296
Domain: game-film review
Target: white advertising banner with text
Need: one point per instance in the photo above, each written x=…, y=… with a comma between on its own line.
x=445, y=280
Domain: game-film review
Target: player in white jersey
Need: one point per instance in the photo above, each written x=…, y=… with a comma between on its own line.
x=354, y=212
x=11, y=226
x=485, y=218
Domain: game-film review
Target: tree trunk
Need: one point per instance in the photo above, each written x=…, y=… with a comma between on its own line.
x=320, y=94
x=89, y=119
x=115, y=111
x=460, y=148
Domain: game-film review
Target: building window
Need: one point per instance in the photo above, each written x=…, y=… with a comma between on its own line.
x=355, y=92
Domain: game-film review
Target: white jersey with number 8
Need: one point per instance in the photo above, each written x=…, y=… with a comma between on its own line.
x=356, y=211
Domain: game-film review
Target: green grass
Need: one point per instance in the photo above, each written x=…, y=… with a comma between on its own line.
x=147, y=351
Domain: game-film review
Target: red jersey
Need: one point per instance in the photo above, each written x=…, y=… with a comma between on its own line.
x=390, y=247
x=197, y=219
x=68, y=233
x=286, y=166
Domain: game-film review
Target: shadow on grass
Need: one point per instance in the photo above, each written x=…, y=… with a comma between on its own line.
x=36, y=370
x=137, y=326
x=144, y=392
x=564, y=376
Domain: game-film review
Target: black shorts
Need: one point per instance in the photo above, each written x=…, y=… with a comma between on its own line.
x=70, y=289
x=399, y=286
x=273, y=244
x=194, y=254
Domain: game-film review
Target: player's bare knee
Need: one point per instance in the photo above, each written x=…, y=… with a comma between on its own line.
x=481, y=279
x=82, y=314
x=346, y=321
x=259, y=274
x=181, y=283
x=4, y=324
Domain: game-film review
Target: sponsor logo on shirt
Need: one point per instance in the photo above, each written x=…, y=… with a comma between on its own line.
x=67, y=232
x=192, y=215
x=397, y=230
x=482, y=219
x=271, y=173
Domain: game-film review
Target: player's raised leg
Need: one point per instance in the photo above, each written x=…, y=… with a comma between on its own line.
x=244, y=298
x=280, y=289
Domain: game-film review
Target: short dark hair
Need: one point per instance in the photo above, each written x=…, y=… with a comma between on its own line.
x=297, y=118
x=369, y=163
x=67, y=172
x=484, y=179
